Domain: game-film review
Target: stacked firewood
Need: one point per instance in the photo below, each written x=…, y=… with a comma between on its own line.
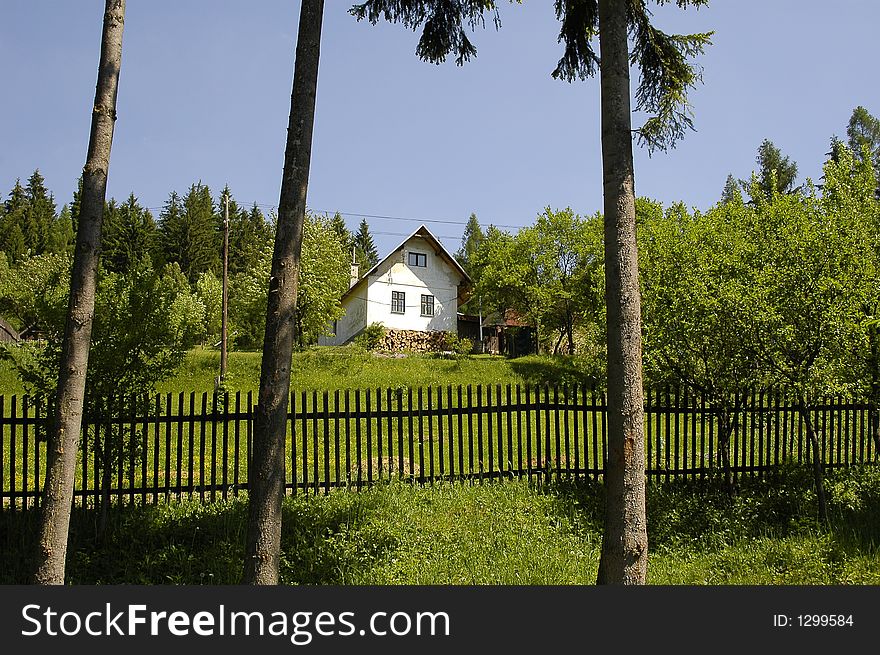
x=414, y=341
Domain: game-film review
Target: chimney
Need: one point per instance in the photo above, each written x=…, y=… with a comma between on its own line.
x=354, y=270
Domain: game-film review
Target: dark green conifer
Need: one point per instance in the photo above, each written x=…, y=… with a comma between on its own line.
x=365, y=250
x=130, y=236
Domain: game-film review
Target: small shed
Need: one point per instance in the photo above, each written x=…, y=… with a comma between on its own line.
x=8, y=334
x=507, y=333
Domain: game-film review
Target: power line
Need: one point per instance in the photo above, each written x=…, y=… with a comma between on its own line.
x=410, y=219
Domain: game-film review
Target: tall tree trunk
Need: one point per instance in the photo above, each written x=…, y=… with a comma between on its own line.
x=267, y=469
x=625, y=540
x=65, y=434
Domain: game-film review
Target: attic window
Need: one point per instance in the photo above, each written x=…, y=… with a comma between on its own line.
x=418, y=259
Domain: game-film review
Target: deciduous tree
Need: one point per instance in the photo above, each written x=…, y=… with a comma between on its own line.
x=267, y=470
x=65, y=433
x=666, y=77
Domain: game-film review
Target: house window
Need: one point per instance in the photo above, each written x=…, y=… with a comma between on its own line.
x=418, y=259
x=427, y=305
x=398, y=302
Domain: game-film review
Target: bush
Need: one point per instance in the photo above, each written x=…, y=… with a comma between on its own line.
x=371, y=337
x=458, y=345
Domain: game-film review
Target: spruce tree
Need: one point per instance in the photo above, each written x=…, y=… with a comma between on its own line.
x=346, y=238
x=12, y=240
x=863, y=131
x=666, y=76
x=188, y=232
x=61, y=236
x=471, y=240
x=364, y=250
x=731, y=190
x=776, y=173
x=130, y=236
x=249, y=234
x=39, y=214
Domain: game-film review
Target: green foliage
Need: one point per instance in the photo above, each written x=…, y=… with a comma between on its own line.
x=144, y=323
x=371, y=336
x=249, y=235
x=471, y=240
x=863, y=136
x=460, y=346
x=551, y=273
x=188, y=229
x=129, y=236
x=248, y=290
x=324, y=277
x=29, y=225
x=209, y=291
x=500, y=533
x=776, y=173
x=663, y=59
x=365, y=252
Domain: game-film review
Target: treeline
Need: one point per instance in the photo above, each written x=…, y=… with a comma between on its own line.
x=777, y=284
x=159, y=282
x=185, y=240
x=188, y=231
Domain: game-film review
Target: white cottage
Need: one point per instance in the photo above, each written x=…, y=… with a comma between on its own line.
x=417, y=288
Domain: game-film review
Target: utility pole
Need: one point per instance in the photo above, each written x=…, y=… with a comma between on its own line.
x=223, y=326
x=480, y=321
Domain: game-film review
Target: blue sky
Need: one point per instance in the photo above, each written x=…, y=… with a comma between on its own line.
x=205, y=95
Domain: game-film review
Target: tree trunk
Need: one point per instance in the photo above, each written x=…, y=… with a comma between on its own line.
x=874, y=401
x=65, y=434
x=625, y=540
x=267, y=469
x=818, y=466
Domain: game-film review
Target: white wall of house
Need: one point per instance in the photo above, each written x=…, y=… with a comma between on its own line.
x=372, y=299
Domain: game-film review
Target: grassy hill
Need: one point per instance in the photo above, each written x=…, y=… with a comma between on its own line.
x=327, y=368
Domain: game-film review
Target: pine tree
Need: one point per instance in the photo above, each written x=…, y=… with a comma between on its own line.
x=346, y=238
x=776, y=173
x=61, y=235
x=863, y=131
x=12, y=240
x=39, y=214
x=249, y=234
x=666, y=76
x=471, y=240
x=364, y=250
x=130, y=236
x=76, y=204
x=731, y=190
x=188, y=232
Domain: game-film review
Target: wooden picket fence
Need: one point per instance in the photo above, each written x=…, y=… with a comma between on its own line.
x=149, y=450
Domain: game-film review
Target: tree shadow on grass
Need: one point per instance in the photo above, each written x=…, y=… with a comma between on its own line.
x=699, y=515
x=558, y=371
x=323, y=542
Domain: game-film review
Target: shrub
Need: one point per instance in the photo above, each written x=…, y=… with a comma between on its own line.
x=371, y=337
x=458, y=345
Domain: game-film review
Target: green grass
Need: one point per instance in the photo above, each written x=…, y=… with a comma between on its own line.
x=329, y=368
x=9, y=381
x=342, y=368
x=500, y=533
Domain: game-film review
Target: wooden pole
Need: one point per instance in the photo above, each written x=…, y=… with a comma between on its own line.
x=224, y=324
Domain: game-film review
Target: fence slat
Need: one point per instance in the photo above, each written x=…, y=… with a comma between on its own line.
x=149, y=448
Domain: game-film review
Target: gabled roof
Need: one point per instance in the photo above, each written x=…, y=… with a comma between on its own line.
x=10, y=332
x=425, y=234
